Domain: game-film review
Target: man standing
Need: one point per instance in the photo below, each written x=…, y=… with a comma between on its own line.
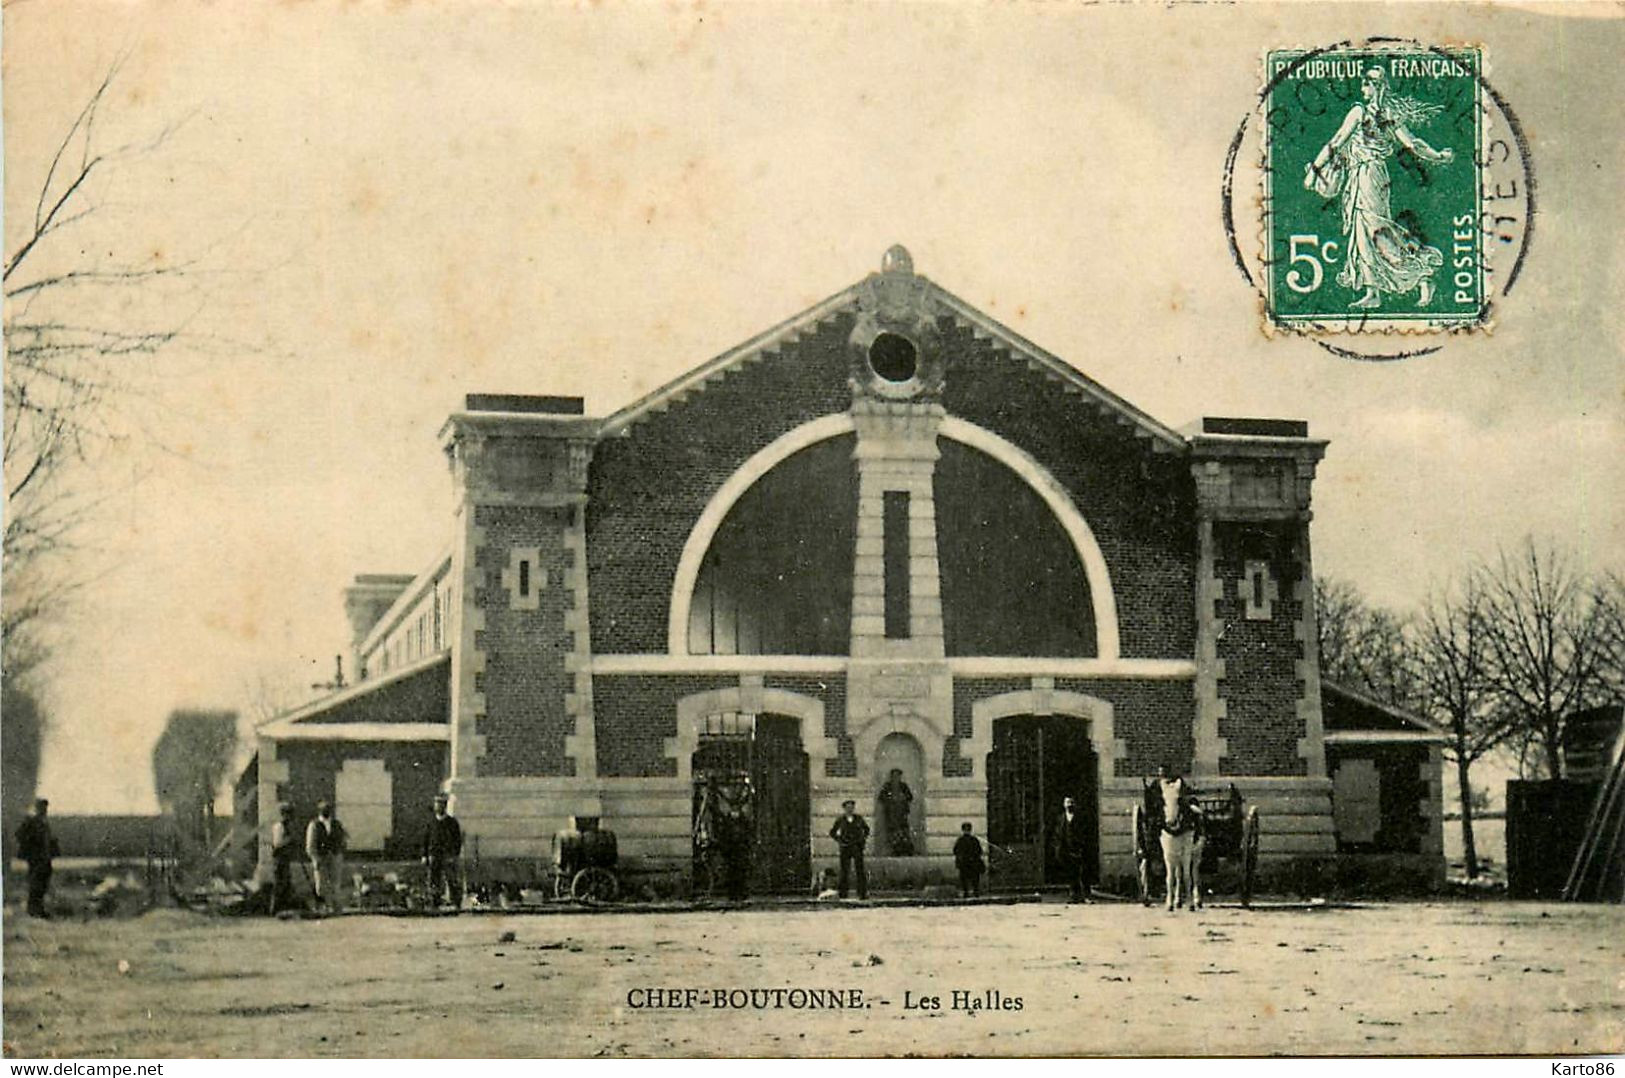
x=442, y=849
x=896, y=802
x=284, y=852
x=968, y=859
x=851, y=834
x=37, y=846
x=737, y=834
x=708, y=850
x=1073, y=852
x=324, y=845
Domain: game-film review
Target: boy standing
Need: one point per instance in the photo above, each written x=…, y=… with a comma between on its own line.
x=968, y=859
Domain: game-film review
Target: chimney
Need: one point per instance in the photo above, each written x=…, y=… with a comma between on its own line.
x=369, y=598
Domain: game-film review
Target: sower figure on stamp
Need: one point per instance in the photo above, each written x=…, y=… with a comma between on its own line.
x=284, y=852
x=324, y=845
x=851, y=834
x=442, y=853
x=1073, y=850
x=896, y=803
x=38, y=847
x=968, y=860
x=1381, y=255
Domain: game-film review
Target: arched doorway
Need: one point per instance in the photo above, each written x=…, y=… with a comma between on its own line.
x=1037, y=761
x=765, y=749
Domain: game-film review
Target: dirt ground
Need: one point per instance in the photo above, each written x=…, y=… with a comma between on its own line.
x=1100, y=979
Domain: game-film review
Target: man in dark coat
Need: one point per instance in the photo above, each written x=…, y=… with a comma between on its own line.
x=37, y=846
x=1072, y=842
x=851, y=834
x=284, y=852
x=968, y=859
x=736, y=830
x=442, y=850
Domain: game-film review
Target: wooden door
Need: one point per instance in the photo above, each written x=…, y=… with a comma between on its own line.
x=1036, y=762
x=783, y=854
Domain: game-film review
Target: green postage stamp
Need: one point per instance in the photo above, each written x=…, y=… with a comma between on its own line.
x=1372, y=193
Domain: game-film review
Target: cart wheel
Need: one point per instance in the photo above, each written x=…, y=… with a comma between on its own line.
x=594, y=885
x=561, y=885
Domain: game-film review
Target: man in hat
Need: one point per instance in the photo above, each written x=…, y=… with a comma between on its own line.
x=37, y=846
x=284, y=852
x=1072, y=849
x=324, y=845
x=442, y=849
x=851, y=834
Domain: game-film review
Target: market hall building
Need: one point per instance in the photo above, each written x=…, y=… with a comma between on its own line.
x=889, y=533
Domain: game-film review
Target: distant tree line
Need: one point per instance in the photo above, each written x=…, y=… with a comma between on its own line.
x=1498, y=657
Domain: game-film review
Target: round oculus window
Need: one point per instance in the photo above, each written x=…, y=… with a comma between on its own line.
x=894, y=357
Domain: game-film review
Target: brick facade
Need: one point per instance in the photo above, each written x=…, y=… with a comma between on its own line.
x=649, y=486
x=1182, y=631
x=1138, y=502
x=637, y=715
x=1261, y=727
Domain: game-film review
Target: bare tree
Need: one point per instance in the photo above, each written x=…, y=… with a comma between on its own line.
x=1608, y=596
x=78, y=320
x=1455, y=667
x=1548, y=634
x=1365, y=647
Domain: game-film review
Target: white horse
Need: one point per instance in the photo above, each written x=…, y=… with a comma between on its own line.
x=1182, y=842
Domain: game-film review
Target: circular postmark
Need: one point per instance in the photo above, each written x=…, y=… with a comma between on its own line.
x=1379, y=196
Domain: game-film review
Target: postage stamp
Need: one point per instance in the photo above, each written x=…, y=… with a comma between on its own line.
x=1373, y=192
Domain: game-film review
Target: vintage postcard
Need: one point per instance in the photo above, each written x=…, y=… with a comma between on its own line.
x=795, y=530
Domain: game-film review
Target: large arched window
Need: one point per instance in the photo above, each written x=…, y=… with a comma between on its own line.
x=1011, y=580
x=777, y=578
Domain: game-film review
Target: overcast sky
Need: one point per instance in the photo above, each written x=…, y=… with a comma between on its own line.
x=391, y=206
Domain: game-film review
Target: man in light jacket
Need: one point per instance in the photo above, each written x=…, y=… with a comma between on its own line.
x=324, y=845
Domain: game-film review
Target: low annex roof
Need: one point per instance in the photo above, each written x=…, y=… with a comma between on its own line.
x=409, y=704
x=1353, y=716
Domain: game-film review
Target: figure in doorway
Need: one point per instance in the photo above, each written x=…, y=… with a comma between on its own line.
x=1071, y=842
x=707, y=834
x=736, y=836
x=896, y=803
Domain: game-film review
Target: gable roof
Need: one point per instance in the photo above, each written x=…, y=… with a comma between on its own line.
x=981, y=324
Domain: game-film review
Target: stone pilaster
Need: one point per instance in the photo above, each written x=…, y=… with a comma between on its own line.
x=1306, y=630
x=896, y=452
x=1210, y=748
